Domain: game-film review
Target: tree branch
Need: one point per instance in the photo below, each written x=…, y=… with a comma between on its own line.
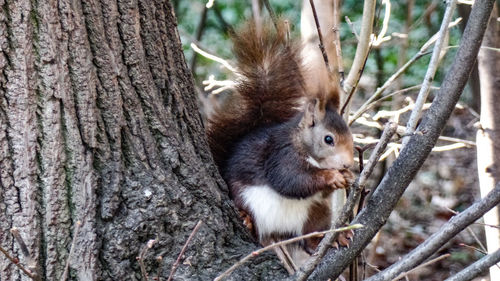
x=477, y=268
x=405, y=274
x=431, y=71
x=411, y=158
x=361, y=50
x=320, y=37
x=422, y=52
x=184, y=248
x=283, y=243
x=438, y=239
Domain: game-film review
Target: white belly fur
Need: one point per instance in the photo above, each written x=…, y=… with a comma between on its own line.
x=274, y=213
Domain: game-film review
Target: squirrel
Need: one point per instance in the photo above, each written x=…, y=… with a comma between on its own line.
x=281, y=150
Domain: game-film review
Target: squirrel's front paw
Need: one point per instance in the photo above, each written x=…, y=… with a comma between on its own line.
x=339, y=179
x=348, y=176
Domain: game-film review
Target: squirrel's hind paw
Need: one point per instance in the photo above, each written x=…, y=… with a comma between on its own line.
x=247, y=220
x=344, y=239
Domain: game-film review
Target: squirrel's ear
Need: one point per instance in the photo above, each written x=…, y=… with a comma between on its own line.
x=313, y=113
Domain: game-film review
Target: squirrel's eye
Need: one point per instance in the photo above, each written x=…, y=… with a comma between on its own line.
x=329, y=140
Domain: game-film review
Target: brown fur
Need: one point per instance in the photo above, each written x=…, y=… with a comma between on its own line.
x=269, y=89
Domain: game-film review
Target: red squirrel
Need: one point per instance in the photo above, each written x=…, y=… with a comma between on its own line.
x=281, y=150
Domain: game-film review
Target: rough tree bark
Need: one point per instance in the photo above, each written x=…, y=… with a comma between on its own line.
x=98, y=124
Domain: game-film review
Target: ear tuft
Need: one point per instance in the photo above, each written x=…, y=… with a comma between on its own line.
x=313, y=113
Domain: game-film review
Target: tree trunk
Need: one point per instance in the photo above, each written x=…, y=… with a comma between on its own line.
x=488, y=148
x=99, y=124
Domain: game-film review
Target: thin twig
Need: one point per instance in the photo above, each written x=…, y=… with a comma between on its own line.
x=15, y=261
x=466, y=142
x=351, y=201
x=31, y=263
x=281, y=243
x=351, y=25
x=71, y=250
x=402, y=91
x=484, y=252
x=362, y=48
x=431, y=70
x=477, y=268
x=20, y=242
x=490, y=48
x=471, y=232
x=320, y=36
x=199, y=34
x=286, y=259
x=489, y=225
x=213, y=57
x=270, y=10
x=142, y=255
x=405, y=274
x=257, y=16
x=184, y=248
x=381, y=38
x=422, y=52
x=287, y=29
x=438, y=239
x=336, y=38
x=405, y=167
x=159, y=259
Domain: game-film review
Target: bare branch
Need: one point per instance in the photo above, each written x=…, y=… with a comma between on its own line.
x=183, y=250
x=336, y=36
x=381, y=38
x=362, y=49
x=353, y=29
x=282, y=243
x=491, y=48
x=320, y=36
x=199, y=33
x=431, y=70
x=270, y=10
x=141, y=256
x=213, y=57
x=484, y=252
x=256, y=15
x=402, y=91
x=411, y=158
x=422, y=52
x=15, y=261
x=30, y=261
x=20, y=242
x=405, y=274
x=477, y=268
x=438, y=239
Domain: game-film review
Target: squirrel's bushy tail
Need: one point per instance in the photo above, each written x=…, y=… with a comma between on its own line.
x=269, y=89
